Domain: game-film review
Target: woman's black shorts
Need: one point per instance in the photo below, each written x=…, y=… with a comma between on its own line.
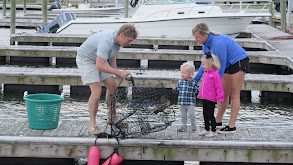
x=239, y=65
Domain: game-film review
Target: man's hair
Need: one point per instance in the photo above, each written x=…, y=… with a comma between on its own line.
x=128, y=30
x=188, y=66
x=203, y=29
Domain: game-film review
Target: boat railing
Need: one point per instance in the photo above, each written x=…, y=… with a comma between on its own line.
x=217, y=7
x=246, y=6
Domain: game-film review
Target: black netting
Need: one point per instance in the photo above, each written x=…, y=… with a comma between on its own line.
x=144, y=110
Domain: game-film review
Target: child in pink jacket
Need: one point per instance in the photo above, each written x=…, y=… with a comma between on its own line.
x=211, y=91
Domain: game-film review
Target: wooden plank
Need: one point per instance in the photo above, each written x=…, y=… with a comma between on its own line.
x=171, y=132
x=36, y=132
x=84, y=130
x=51, y=132
x=25, y=130
x=63, y=128
x=267, y=134
x=243, y=133
x=6, y=126
x=70, y=76
x=288, y=134
x=279, y=134
x=75, y=128
x=255, y=134
x=16, y=127
x=63, y=38
x=182, y=135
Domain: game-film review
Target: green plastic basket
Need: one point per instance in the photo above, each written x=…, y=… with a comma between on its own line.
x=43, y=110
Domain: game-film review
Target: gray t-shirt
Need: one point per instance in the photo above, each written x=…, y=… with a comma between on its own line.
x=101, y=44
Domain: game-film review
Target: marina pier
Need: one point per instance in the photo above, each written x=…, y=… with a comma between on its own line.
x=71, y=140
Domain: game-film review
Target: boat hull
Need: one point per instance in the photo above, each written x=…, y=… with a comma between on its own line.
x=171, y=28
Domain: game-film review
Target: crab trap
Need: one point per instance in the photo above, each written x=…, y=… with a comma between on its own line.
x=144, y=110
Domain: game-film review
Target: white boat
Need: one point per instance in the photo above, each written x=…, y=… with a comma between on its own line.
x=173, y=19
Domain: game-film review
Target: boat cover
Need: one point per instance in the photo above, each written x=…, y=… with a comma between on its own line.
x=53, y=26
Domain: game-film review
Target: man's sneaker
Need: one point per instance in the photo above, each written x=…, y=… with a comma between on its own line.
x=203, y=133
x=94, y=130
x=211, y=134
x=182, y=129
x=218, y=126
x=227, y=130
x=193, y=127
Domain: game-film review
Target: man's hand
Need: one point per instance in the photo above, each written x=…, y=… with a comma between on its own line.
x=173, y=86
x=123, y=74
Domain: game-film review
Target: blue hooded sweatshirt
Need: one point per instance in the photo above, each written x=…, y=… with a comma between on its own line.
x=225, y=48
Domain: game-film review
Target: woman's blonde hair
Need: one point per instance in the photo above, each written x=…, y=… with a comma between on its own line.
x=212, y=60
x=128, y=30
x=188, y=66
x=203, y=29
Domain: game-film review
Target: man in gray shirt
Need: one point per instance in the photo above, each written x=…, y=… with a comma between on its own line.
x=96, y=61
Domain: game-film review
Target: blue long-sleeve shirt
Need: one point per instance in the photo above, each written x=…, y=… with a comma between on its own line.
x=225, y=48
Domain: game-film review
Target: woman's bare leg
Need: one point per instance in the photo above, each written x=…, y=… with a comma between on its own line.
x=223, y=106
x=236, y=82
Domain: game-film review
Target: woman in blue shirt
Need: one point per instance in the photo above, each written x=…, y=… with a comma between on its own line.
x=234, y=64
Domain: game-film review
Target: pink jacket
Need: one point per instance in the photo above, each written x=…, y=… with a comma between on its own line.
x=211, y=86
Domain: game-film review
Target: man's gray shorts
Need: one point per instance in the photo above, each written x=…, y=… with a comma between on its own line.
x=89, y=73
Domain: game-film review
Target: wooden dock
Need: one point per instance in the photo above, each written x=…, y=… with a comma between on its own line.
x=71, y=140
x=71, y=76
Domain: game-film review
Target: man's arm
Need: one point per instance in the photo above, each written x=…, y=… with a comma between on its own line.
x=112, y=62
x=102, y=66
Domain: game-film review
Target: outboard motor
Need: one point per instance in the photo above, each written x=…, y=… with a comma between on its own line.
x=55, y=5
x=59, y=21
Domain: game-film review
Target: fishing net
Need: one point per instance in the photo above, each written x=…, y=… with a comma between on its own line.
x=144, y=110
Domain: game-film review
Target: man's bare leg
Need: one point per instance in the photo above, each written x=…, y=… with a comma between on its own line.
x=94, y=103
x=111, y=87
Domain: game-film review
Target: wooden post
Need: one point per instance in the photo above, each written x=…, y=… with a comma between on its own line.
x=289, y=13
x=12, y=19
x=67, y=3
x=283, y=15
x=271, y=10
x=126, y=4
x=45, y=11
x=4, y=8
x=24, y=6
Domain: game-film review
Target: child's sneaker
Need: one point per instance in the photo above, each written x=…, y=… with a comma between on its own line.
x=203, y=133
x=211, y=134
x=182, y=129
x=218, y=125
x=193, y=127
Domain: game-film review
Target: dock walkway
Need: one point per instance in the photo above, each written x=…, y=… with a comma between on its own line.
x=71, y=76
x=71, y=140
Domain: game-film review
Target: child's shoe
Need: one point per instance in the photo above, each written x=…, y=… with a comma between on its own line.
x=203, y=133
x=211, y=134
x=193, y=127
x=182, y=129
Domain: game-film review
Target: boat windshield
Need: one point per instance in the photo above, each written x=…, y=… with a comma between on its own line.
x=163, y=2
